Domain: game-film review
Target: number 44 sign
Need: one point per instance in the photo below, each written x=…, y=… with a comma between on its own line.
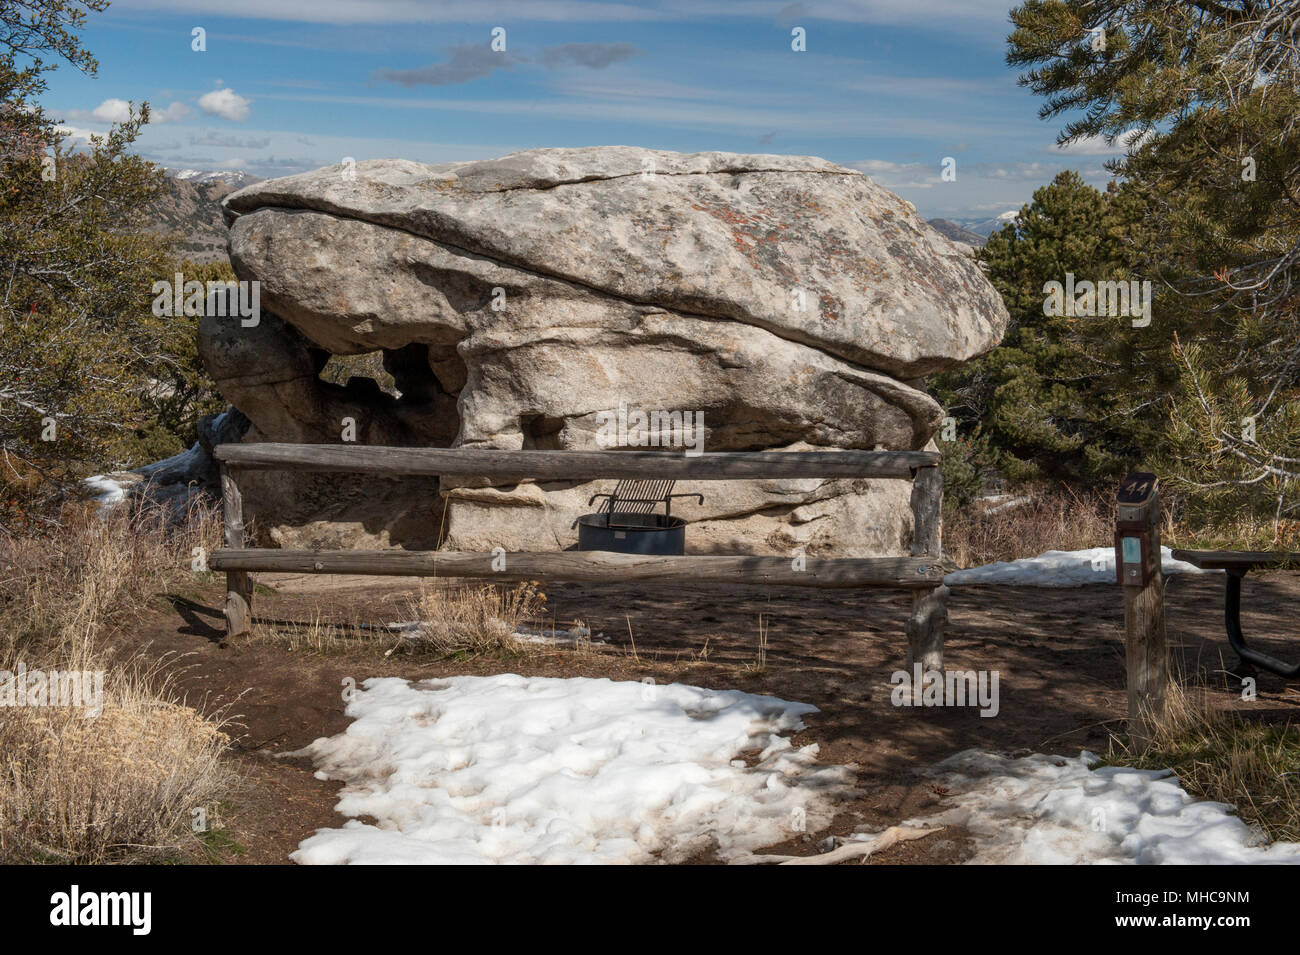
x=1134, y=530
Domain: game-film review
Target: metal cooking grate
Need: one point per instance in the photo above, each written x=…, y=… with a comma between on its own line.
x=638, y=499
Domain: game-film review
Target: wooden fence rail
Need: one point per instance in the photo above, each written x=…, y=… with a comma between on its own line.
x=922, y=573
x=905, y=573
x=577, y=465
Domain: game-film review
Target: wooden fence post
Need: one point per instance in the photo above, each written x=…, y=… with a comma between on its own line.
x=1138, y=571
x=929, y=613
x=239, y=589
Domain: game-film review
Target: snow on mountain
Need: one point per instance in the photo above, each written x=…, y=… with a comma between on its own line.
x=233, y=177
x=987, y=227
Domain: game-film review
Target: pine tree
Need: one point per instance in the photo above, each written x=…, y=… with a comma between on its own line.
x=1051, y=400
x=1206, y=95
x=78, y=342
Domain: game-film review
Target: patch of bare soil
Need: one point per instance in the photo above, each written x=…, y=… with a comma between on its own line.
x=1059, y=655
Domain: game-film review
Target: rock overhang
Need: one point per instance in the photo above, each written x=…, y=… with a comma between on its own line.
x=657, y=279
x=810, y=251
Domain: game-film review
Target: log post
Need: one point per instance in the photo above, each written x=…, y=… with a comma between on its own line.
x=929, y=613
x=239, y=589
x=1138, y=571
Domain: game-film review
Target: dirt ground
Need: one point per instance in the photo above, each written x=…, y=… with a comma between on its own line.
x=1059, y=655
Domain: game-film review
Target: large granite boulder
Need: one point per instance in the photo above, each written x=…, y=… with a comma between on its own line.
x=792, y=302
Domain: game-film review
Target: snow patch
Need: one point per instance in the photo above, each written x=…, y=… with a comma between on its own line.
x=549, y=636
x=168, y=480
x=105, y=490
x=1053, y=810
x=512, y=769
x=1061, y=568
x=997, y=503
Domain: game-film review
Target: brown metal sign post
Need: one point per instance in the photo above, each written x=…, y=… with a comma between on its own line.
x=1137, y=570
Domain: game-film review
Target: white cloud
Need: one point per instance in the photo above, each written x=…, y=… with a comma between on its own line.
x=981, y=189
x=878, y=167
x=411, y=11
x=931, y=13
x=112, y=111
x=898, y=175
x=940, y=14
x=280, y=153
x=1036, y=172
x=1097, y=145
x=674, y=114
x=76, y=133
x=175, y=113
x=225, y=103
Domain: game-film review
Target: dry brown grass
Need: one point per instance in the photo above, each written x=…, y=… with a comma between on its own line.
x=1050, y=517
x=1042, y=517
x=318, y=634
x=1219, y=755
x=759, y=666
x=1242, y=532
x=446, y=619
x=475, y=619
x=121, y=785
x=58, y=588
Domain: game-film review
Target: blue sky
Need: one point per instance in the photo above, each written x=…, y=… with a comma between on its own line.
x=890, y=88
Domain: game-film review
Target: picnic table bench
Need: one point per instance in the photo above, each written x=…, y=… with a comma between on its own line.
x=1236, y=565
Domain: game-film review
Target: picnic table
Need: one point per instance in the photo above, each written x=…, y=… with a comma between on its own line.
x=1237, y=564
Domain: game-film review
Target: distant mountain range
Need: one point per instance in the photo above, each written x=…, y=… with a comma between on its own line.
x=234, y=177
x=973, y=231
x=955, y=232
x=986, y=227
x=192, y=208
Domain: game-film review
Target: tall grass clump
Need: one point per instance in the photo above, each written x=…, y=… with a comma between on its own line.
x=120, y=781
x=1219, y=755
x=474, y=619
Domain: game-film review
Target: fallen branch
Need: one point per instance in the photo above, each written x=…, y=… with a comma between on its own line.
x=850, y=850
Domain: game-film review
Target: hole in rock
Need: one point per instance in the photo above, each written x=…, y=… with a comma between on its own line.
x=416, y=373
x=398, y=396
x=541, y=432
x=341, y=370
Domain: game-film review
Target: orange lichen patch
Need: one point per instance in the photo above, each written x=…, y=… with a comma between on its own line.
x=758, y=236
x=830, y=307
x=799, y=377
x=747, y=231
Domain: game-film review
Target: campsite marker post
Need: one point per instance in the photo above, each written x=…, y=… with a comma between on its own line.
x=1138, y=571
